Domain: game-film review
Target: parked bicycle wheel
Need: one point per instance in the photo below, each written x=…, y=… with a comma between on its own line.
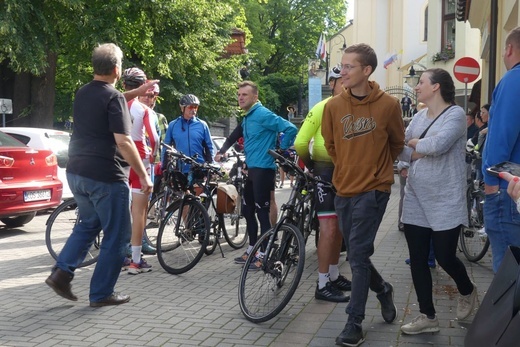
x=183, y=236
x=156, y=212
x=234, y=227
x=215, y=229
x=473, y=240
x=59, y=227
x=264, y=293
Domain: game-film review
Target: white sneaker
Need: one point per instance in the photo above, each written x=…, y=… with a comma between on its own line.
x=466, y=303
x=421, y=324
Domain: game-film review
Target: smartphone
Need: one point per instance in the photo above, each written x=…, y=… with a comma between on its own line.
x=506, y=166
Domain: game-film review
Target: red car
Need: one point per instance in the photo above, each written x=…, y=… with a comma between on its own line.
x=28, y=181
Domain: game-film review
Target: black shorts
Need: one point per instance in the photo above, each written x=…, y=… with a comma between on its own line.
x=324, y=196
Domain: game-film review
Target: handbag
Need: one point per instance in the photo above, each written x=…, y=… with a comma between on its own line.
x=497, y=322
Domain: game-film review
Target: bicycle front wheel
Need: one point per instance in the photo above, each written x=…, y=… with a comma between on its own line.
x=183, y=236
x=59, y=227
x=264, y=293
x=473, y=240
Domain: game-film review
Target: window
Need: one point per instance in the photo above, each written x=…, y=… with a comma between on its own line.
x=448, y=23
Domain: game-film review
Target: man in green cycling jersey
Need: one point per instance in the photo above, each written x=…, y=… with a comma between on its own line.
x=331, y=284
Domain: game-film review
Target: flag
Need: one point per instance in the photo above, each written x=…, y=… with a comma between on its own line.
x=390, y=60
x=320, y=50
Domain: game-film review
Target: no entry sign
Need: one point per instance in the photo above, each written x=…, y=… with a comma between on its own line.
x=466, y=70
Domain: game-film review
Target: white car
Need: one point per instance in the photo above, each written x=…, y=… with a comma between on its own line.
x=227, y=164
x=55, y=140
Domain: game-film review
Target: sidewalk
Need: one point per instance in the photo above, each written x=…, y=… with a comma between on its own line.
x=200, y=308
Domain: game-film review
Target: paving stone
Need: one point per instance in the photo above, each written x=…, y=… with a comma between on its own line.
x=200, y=307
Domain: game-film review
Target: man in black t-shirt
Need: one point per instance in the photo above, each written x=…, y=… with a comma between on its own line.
x=100, y=152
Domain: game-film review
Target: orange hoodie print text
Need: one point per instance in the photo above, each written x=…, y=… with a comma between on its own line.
x=359, y=127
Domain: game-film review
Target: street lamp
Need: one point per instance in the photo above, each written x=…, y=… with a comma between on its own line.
x=412, y=79
x=327, y=58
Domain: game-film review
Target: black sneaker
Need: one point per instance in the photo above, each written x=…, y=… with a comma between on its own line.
x=386, y=298
x=342, y=283
x=352, y=335
x=242, y=259
x=330, y=293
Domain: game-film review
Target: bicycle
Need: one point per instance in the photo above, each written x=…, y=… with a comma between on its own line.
x=59, y=226
x=264, y=293
x=474, y=242
x=184, y=231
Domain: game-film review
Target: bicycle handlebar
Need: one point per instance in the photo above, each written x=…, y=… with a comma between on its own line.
x=193, y=162
x=302, y=174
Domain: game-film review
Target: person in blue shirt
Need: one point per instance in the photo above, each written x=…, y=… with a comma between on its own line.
x=503, y=144
x=189, y=134
x=260, y=128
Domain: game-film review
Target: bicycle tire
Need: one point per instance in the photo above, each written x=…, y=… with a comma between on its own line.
x=153, y=219
x=264, y=293
x=233, y=226
x=59, y=227
x=214, y=222
x=181, y=243
x=155, y=214
x=473, y=241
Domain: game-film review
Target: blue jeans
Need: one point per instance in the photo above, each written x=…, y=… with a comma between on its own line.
x=102, y=206
x=359, y=218
x=502, y=222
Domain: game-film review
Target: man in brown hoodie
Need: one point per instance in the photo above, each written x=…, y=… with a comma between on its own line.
x=363, y=133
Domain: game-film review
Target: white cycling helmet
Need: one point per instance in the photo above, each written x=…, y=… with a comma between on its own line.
x=334, y=73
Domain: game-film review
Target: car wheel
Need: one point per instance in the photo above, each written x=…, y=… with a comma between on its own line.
x=18, y=221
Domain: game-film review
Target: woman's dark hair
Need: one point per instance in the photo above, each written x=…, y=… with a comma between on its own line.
x=486, y=106
x=447, y=87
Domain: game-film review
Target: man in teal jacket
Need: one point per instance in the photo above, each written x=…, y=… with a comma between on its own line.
x=260, y=128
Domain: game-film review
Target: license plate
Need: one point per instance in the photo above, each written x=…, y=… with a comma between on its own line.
x=37, y=195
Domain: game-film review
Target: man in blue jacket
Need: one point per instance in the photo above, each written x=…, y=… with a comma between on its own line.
x=260, y=128
x=189, y=134
x=503, y=144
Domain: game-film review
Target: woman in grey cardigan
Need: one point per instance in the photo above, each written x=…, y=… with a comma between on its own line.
x=434, y=207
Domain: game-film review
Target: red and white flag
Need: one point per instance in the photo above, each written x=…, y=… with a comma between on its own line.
x=320, y=50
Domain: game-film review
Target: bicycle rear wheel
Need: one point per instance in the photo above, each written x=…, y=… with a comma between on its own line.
x=234, y=227
x=183, y=236
x=156, y=212
x=59, y=227
x=264, y=293
x=215, y=230
x=473, y=240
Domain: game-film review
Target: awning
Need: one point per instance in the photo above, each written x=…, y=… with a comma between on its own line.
x=413, y=62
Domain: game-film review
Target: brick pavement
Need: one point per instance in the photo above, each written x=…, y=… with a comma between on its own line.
x=200, y=308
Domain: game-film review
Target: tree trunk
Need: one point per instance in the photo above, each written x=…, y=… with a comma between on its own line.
x=33, y=97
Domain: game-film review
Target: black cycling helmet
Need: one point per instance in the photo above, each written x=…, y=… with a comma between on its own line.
x=134, y=77
x=334, y=73
x=189, y=99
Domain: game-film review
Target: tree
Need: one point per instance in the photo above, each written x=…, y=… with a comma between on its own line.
x=284, y=36
x=285, y=32
x=46, y=47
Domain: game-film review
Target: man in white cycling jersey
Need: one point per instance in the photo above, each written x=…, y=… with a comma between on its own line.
x=146, y=139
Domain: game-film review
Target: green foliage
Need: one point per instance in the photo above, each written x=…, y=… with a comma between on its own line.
x=285, y=33
x=180, y=42
x=278, y=91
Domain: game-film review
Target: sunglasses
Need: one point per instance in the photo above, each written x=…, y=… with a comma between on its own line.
x=192, y=107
